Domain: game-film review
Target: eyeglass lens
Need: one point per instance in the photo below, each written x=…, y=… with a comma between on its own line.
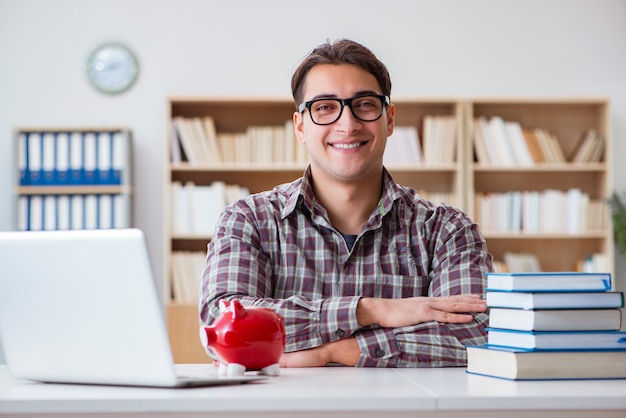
x=365, y=108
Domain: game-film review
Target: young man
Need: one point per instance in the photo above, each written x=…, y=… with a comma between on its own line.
x=364, y=271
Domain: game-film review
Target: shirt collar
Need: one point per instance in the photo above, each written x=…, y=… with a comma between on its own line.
x=301, y=192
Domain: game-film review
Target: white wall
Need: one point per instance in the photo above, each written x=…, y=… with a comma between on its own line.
x=449, y=48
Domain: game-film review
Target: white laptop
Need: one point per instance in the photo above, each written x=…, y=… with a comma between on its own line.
x=82, y=307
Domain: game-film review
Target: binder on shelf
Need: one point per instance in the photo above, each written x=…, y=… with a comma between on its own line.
x=48, y=161
x=104, y=155
x=69, y=158
x=35, y=163
x=22, y=159
x=76, y=158
x=120, y=158
x=89, y=158
x=62, y=158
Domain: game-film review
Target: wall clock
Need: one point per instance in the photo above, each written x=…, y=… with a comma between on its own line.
x=112, y=68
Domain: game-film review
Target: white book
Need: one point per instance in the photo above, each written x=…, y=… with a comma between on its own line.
x=500, y=137
x=201, y=223
x=211, y=135
x=180, y=209
x=518, y=142
x=201, y=141
x=290, y=143
x=189, y=145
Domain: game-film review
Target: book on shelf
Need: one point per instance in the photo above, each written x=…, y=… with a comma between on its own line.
x=195, y=140
x=555, y=319
x=549, y=281
x=403, y=147
x=556, y=340
x=588, y=149
x=507, y=143
x=196, y=208
x=439, y=139
x=187, y=269
x=568, y=211
x=555, y=300
x=516, y=364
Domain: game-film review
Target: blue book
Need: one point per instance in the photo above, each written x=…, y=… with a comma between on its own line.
x=549, y=282
x=557, y=340
x=554, y=300
x=517, y=364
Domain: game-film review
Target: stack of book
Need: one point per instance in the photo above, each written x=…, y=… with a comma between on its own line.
x=559, y=325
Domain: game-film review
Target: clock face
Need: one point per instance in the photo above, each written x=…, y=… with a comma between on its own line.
x=112, y=68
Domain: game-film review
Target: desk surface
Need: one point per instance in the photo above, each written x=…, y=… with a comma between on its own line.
x=330, y=391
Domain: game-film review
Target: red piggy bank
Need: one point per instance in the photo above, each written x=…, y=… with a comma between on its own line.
x=250, y=338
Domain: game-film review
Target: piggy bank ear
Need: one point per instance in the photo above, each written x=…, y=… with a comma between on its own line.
x=237, y=309
x=223, y=305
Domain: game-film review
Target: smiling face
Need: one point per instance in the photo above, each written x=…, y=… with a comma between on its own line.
x=348, y=149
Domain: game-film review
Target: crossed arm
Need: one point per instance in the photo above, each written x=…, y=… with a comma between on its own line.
x=391, y=313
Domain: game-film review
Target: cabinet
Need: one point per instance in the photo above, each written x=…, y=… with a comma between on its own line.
x=556, y=248
x=73, y=178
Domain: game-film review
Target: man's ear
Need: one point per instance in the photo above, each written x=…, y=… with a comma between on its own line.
x=391, y=114
x=298, y=127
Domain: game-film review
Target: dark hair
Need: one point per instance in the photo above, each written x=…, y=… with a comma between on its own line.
x=342, y=51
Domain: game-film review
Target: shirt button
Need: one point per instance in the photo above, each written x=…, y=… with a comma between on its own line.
x=379, y=352
x=340, y=333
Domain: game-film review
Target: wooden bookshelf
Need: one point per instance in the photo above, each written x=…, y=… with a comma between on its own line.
x=567, y=120
x=234, y=116
x=461, y=179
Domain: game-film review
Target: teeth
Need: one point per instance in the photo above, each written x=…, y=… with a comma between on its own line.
x=347, y=146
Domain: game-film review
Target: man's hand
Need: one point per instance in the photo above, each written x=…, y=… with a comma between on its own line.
x=404, y=312
x=344, y=352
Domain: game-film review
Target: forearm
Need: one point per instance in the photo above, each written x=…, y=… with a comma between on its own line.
x=431, y=344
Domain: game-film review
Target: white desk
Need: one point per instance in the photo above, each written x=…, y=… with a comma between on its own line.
x=326, y=392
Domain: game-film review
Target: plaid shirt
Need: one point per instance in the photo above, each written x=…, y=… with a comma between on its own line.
x=277, y=249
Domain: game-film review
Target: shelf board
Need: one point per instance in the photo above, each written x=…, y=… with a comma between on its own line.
x=567, y=167
x=526, y=236
x=86, y=189
x=278, y=167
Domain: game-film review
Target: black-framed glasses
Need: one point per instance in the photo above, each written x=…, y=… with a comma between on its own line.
x=366, y=108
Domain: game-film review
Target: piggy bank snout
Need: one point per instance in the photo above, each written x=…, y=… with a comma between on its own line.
x=207, y=336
